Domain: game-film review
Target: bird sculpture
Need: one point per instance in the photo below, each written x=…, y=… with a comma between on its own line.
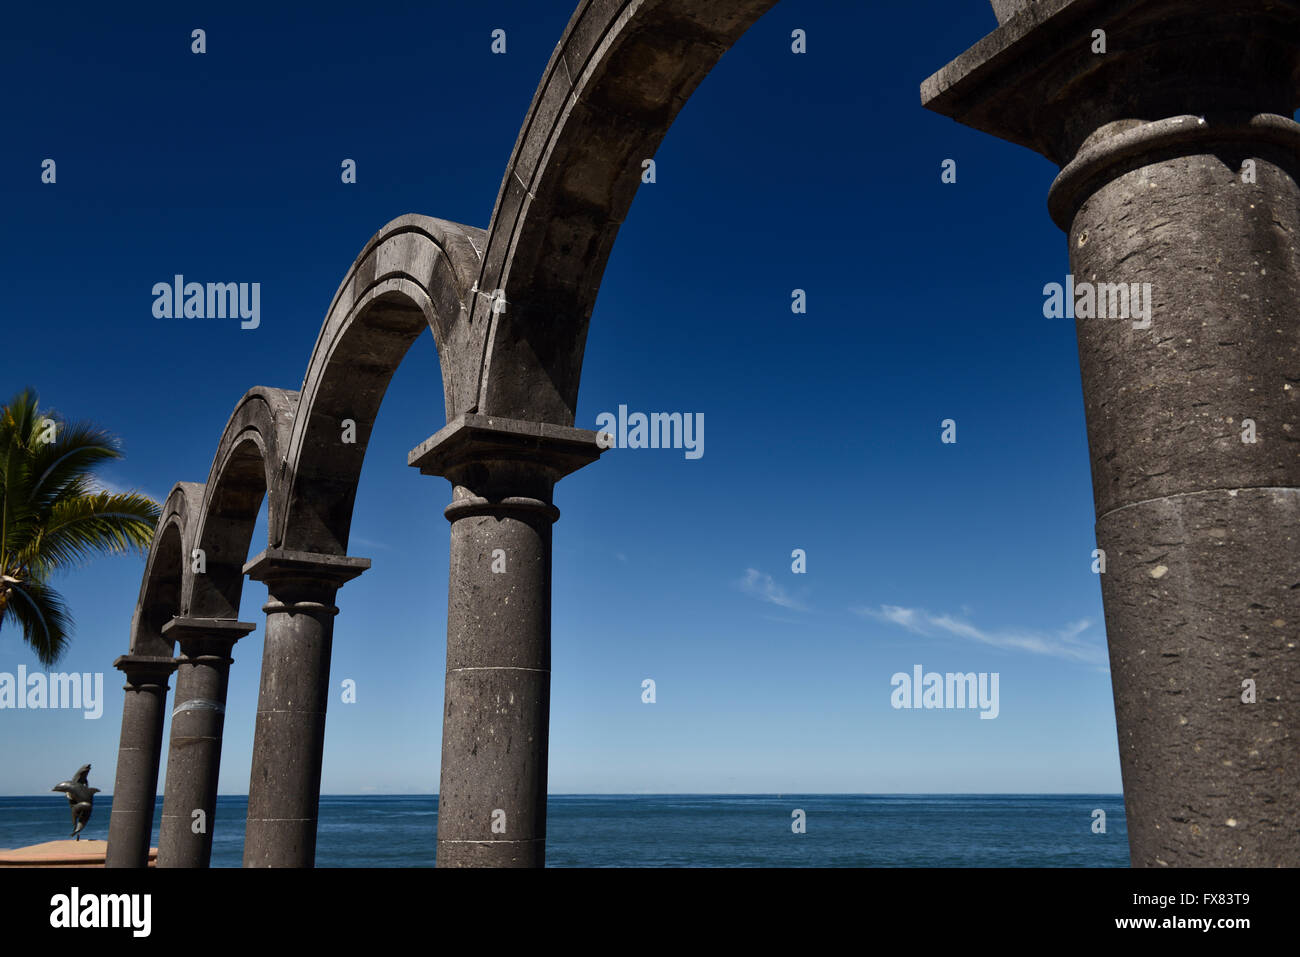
x=81, y=796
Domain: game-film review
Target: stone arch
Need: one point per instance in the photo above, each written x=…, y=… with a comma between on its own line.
x=617, y=80
x=164, y=571
x=414, y=272
x=246, y=465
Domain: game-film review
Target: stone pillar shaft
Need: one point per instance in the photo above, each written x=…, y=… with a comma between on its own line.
x=194, y=756
x=1171, y=121
x=289, y=740
x=496, y=719
x=1193, y=429
x=136, y=787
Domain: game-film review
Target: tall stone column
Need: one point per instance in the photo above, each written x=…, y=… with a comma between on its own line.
x=289, y=738
x=1179, y=175
x=135, y=790
x=198, y=718
x=496, y=719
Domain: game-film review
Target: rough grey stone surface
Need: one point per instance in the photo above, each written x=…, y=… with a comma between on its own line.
x=1202, y=586
x=1202, y=593
x=616, y=81
x=417, y=272
x=246, y=465
x=1165, y=405
x=130, y=824
x=194, y=756
x=1004, y=10
x=496, y=717
x=1035, y=80
x=289, y=736
x=165, y=570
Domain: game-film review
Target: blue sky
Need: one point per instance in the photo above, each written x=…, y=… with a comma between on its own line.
x=822, y=431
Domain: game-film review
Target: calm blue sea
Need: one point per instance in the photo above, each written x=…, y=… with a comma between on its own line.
x=685, y=830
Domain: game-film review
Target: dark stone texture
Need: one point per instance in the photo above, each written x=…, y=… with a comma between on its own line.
x=289, y=738
x=616, y=81
x=1006, y=9
x=1165, y=404
x=494, y=751
x=1177, y=488
x=1202, y=586
x=1035, y=80
x=130, y=823
x=164, y=571
x=245, y=466
x=198, y=718
x=497, y=710
x=1202, y=592
x=416, y=272
x=492, y=853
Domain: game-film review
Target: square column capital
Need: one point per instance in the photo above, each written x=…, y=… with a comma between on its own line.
x=275, y=564
x=1044, y=79
x=142, y=670
x=472, y=439
x=206, y=636
x=298, y=580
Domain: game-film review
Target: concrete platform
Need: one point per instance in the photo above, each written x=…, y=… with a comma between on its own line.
x=62, y=854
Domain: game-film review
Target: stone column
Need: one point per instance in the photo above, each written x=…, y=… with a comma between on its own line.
x=194, y=756
x=1180, y=166
x=496, y=719
x=289, y=740
x=130, y=826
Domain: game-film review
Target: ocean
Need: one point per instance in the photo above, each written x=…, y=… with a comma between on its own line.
x=684, y=830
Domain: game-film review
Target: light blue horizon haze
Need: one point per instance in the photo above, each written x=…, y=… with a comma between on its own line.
x=822, y=431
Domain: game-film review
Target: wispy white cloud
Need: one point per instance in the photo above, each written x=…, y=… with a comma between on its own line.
x=762, y=586
x=115, y=488
x=368, y=543
x=1067, y=642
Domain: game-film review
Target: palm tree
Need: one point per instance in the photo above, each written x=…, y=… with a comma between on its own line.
x=53, y=515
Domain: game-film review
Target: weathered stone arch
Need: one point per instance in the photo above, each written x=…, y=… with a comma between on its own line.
x=286, y=446
x=147, y=667
x=161, y=587
x=509, y=310
x=614, y=85
x=245, y=467
x=414, y=272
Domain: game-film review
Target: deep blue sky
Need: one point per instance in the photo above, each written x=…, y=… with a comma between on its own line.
x=819, y=171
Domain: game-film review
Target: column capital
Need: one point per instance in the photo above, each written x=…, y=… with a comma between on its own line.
x=303, y=581
x=1036, y=80
x=276, y=565
x=471, y=439
x=206, y=636
x=144, y=670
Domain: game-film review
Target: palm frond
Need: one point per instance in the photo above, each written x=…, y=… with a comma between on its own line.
x=78, y=449
x=53, y=514
x=81, y=528
x=43, y=617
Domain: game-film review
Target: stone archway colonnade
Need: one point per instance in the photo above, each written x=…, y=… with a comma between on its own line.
x=1150, y=136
